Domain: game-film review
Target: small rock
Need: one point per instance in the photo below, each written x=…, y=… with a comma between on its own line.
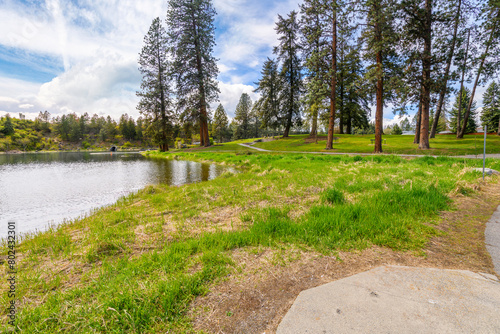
x=487, y=171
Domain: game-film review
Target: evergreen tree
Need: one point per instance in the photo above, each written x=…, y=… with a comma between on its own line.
x=396, y=130
x=315, y=50
x=155, y=93
x=288, y=53
x=489, y=39
x=139, y=128
x=447, y=44
x=380, y=39
x=405, y=125
x=490, y=115
x=242, y=116
x=191, y=33
x=8, y=127
x=255, y=123
x=471, y=122
x=220, y=123
x=269, y=86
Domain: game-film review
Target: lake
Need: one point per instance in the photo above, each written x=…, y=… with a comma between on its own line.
x=38, y=189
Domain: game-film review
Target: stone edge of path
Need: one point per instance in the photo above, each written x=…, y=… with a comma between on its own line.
x=492, y=239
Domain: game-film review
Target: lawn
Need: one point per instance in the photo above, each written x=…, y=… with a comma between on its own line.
x=441, y=145
x=137, y=265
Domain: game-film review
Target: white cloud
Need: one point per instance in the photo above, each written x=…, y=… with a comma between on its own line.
x=106, y=83
x=26, y=106
x=6, y=99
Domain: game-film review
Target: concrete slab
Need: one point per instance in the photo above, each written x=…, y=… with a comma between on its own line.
x=492, y=239
x=393, y=299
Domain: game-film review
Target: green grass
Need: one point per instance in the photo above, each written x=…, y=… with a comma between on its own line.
x=441, y=145
x=135, y=266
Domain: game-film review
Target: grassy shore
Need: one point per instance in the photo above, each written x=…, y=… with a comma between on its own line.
x=137, y=265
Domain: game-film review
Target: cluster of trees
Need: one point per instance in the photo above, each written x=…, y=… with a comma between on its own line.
x=335, y=59
x=45, y=132
x=179, y=72
x=340, y=57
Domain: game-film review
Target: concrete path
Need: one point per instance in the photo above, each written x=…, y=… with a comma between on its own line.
x=492, y=240
x=393, y=299
x=255, y=148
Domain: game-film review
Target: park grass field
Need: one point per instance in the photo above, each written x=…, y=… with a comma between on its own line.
x=446, y=145
x=136, y=266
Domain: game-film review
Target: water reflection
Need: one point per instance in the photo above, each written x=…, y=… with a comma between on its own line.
x=38, y=189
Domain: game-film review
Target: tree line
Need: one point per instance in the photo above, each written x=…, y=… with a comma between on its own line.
x=47, y=132
x=334, y=60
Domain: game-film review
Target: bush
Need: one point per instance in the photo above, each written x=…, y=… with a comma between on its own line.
x=127, y=145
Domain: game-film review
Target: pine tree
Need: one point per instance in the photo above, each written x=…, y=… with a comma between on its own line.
x=490, y=115
x=269, y=86
x=471, y=122
x=191, y=32
x=242, y=116
x=8, y=127
x=155, y=103
x=380, y=39
x=288, y=53
x=448, y=44
x=315, y=49
x=488, y=60
x=220, y=123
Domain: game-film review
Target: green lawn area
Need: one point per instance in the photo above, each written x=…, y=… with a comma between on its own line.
x=135, y=266
x=441, y=145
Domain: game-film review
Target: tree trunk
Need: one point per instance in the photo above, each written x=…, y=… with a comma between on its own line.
x=333, y=88
x=379, y=113
x=416, y=140
x=314, y=126
x=426, y=79
x=341, y=107
x=349, y=117
x=485, y=54
x=498, y=131
x=202, y=137
x=459, y=113
x=163, y=143
x=446, y=73
x=204, y=140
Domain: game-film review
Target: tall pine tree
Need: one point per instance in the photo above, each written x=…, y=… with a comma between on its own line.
x=155, y=93
x=269, y=86
x=191, y=33
x=380, y=38
x=315, y=51
x=488, y=60
x=288, y=53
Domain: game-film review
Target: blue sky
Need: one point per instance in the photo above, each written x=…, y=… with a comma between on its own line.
x=81, y=55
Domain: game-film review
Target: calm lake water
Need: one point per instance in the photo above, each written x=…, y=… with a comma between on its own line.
x=46, y=188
